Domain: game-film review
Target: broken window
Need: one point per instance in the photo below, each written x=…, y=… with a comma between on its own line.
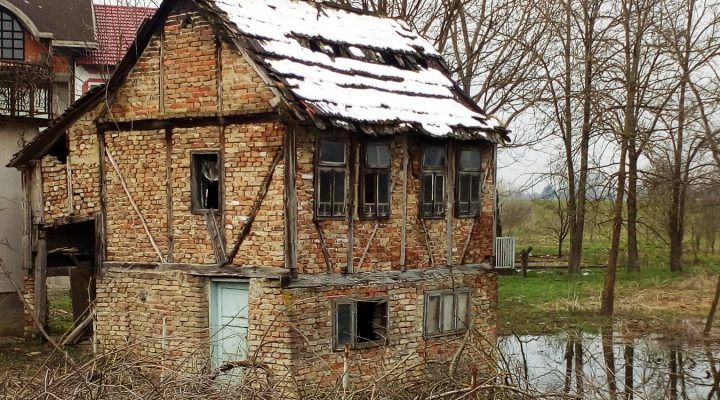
x=468, y=183
x=376, y=180
x=12, y=37
x=360, y=323
x=331, y=172
x=447, y=312
x=205, y=181
x=433, y=181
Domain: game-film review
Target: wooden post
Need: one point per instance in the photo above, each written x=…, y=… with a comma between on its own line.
x=403, y=227
x=290, y=202
x=450, y=197
x=41, y=307
x=169, y=193
x=99, y=243
x=351, y=206
x=68, y=173
x=102, y=227
x=26, y=220
x=524, y=255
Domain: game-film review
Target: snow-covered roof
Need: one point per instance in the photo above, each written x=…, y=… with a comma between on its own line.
x=354, y=70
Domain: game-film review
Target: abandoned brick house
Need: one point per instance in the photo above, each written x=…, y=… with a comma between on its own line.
x=275, y=180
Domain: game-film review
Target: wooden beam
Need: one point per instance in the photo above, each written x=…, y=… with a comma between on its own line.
x=350, y=193
x=202, y=269
x=245, y=231
x=290, y=201
x=187, y=122
x=99, y=255
x=169, y=194
x=101, y=231
x=40, y=289
x=26, y=220
x=450, y=196
x=323, y=247
x=70, y=219
x=403, y=226
x=134, y=205
x=68, y=176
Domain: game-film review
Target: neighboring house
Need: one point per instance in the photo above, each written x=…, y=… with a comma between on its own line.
x=37, y=50
x=275, y=181
x=50, y=53
x=116, y=27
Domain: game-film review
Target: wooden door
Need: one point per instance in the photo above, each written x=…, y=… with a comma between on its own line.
x=228, y=321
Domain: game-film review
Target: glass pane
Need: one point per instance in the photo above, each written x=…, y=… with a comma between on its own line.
x=427, y=188
x=369, y=188
x=432, y=318
x=383, y=188
x=7, y=53
x=464, y=188
x=343, y=324
x=448, y=312
x=332, y=152
x=325, y=188
x=470, y=160
x=377, y=155
x=475, y=190
x=434, y=157
x=339, y=189
x=462, y=310
x=439, y=189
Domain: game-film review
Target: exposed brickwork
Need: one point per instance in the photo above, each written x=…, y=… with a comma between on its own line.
x=55, y=188
x=29, y=329
x=141, y=158
x=84, y=164
x=133, y=307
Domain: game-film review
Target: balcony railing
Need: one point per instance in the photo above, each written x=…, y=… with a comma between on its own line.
x=25, y=90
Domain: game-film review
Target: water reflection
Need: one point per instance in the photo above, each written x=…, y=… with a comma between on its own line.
x=609, y=366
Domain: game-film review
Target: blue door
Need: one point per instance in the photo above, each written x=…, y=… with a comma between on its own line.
x=228, y=321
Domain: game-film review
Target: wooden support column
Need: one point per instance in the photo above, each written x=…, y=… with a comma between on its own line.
x=403, y=227
x=290, y=203
x=41, y=306
x=102, y=228
x=26, y=220
x=99, y=243
x=169, y=193
x=350, y=193
x=450, y=199
x=68, y=176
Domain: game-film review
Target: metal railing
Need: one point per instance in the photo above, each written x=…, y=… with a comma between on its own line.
x=25, y=90
x=505, y=252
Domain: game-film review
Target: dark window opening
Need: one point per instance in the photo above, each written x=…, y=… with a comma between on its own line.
x=433, y=181
x=447, y=312
x=205, y=182
x=332, y=170
x=361, y=323
x=376, y=180
x=12, y=37
x=468, y=183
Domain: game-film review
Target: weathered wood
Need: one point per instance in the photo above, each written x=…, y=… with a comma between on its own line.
x=367, y=246
x=450, y=197
x=100, y=222
x=488, y=168
x=215, y=237
x=524, y=255
x=350, y=196
x=99, y=250
x=68, y=220
x=37, y=201
x=428, y=243
x=40, y=289
x=467, y=241
x=186, y=122
x=202, y=269
x=82, y=290
x=76, y=334
x=403, y=226
x=161, y=74
x=68, y=177
x=290, y=202
x=169, y=194
x=323, y=247
x=26, y=240
x=134, y=206
x=245, y=231
x=713, y=308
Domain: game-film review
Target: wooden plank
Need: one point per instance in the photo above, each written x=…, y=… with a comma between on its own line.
x=37, y=201
x=403, y=226
x=215, y=237
x=68, y=176
x=40, y=292
x=77, y=332
x=367, y=246
x=99, y=255
x=134, y=206
x=67, y=220
x=323, y=247
x=290, y=201
x=450, y=196
x=245, y=231
x=187, y=122
x=101, y=223
x=169, y=194
x=26, y=240
x=202, y=269
x=81, y=291
x=428, y=243
x=350, y=196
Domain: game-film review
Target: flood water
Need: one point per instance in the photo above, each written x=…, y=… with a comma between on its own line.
x=609, y=366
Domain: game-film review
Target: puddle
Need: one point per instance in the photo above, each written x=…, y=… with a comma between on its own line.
x=612, y=367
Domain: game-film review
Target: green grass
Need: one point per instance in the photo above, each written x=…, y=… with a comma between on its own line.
x=61, y=316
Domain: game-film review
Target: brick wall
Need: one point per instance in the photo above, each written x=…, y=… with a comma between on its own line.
x=384, y=251
x=55, y=188
x=134, y=308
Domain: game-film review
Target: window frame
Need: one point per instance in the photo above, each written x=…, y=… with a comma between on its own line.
x=193, y=183
x=375, y=170
x=441, y=294
x=458, y=173
x=353, y=302
x=13, y=19
x=335, y=167
x=435, y=171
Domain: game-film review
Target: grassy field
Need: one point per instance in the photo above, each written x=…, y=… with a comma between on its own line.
x=652, y=300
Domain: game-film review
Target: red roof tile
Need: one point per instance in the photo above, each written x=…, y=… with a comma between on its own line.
x=115, y=27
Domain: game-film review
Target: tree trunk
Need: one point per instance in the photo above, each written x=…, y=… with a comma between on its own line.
x=608, y=293
x=633, y=259
x=575, y=231
x=713, y=308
